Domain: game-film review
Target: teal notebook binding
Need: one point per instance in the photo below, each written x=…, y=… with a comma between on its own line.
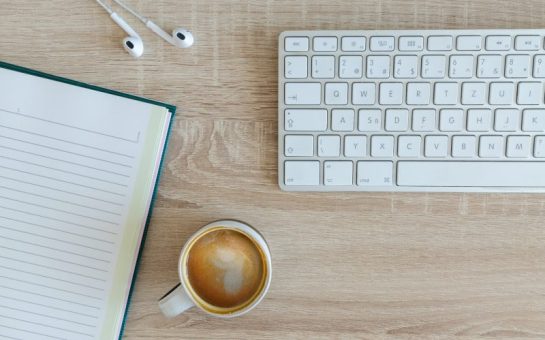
x=80, y=166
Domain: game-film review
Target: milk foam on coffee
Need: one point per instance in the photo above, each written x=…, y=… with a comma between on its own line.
x=225, y=268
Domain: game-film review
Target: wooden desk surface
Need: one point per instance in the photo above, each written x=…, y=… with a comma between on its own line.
x=370, y=266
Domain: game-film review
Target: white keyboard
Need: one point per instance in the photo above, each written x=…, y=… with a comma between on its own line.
x=443, y=110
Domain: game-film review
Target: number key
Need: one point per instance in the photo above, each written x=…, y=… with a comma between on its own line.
x=539, y=66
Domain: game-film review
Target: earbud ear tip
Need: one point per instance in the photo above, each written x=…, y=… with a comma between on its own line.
x=134, y=46
x=183, y=38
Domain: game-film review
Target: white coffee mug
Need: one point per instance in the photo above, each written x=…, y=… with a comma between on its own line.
x=181, y=297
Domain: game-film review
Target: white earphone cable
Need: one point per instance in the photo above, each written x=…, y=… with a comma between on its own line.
x=132, y=11
x=106, y=7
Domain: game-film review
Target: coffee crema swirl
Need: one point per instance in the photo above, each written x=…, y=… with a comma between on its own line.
x=225, y=268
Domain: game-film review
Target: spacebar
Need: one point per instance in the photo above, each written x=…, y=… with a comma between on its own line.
x=471, y=174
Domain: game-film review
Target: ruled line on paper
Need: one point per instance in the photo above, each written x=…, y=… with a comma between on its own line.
x=50, y=297
x=67, y=125
x=60, y=190
x=31, y=332
x=49, y=277
x=9, y=337
x=59, y=220
x=66, y=151
x=67, y=141
x=56, y=249
x=49, y=287
x=63, y=181
x=62, y=201
x=48, y=306
x=55, y=239
x=56, y=229
x=65, y=171
x=44, y=325
x=52, y=268
x=60, y=210
x=63, y=160
x=53, y=258
x=48, y=316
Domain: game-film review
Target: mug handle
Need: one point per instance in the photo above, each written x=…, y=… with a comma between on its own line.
x=175, y=302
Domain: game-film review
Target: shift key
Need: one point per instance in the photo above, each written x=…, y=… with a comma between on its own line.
x=302, y=93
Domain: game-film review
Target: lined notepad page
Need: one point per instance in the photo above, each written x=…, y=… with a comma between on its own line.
x=77, y=170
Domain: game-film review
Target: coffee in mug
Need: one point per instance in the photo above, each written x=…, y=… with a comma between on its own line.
x=225, y=270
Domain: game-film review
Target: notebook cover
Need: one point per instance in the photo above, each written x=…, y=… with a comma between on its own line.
x=171, y=109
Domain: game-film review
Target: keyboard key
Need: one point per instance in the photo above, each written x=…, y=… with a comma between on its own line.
x=363, y=93
x=533, y=120
x=517, y=66
x=418, y=93
x=470, y=174
x=507, y=120
x=445, y=93
x=539, y=66
x=397, y=120
x=463, y=146
x=440, y=43
x=408, y=146
x=469, y=43
x=355, y=146
x=302, y=93
x=336, y=93
x=433, y=66
x=491, y=146
x=302, y=146
x=473, y=93
x=391, y=93
x=405, y=66
x=350, y=67
x=338, y=173
x=539, y=147
x=301, y=173
x=461, y=66
x=323, y=66
x=489, y=66
x=436, y=146
x=530, y=93
x=411, y=43
x=382, y=44
x=451, y=120
x=342, y=120
x=325, y=44
x=424, y=120
x=382, y=146
x=370, y=120
x=295, y=67
x=374, y=173
x=527, y=42
x=353, y=44
x=518, y=146
x=498, y=42
x=329, y=146
x=501, y=93
x=305, y=120
x=378, y=66
x=296, y=44
x=479, y=120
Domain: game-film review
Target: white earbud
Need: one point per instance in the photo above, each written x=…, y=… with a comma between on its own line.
x=132, y=44
x=180, y=37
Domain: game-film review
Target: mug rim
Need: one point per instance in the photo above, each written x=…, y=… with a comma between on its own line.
x=256, y=236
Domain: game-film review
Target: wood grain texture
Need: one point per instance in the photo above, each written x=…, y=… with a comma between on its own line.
x=373, y=266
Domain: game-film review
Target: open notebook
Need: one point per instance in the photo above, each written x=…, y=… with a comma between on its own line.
x=78, y=169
